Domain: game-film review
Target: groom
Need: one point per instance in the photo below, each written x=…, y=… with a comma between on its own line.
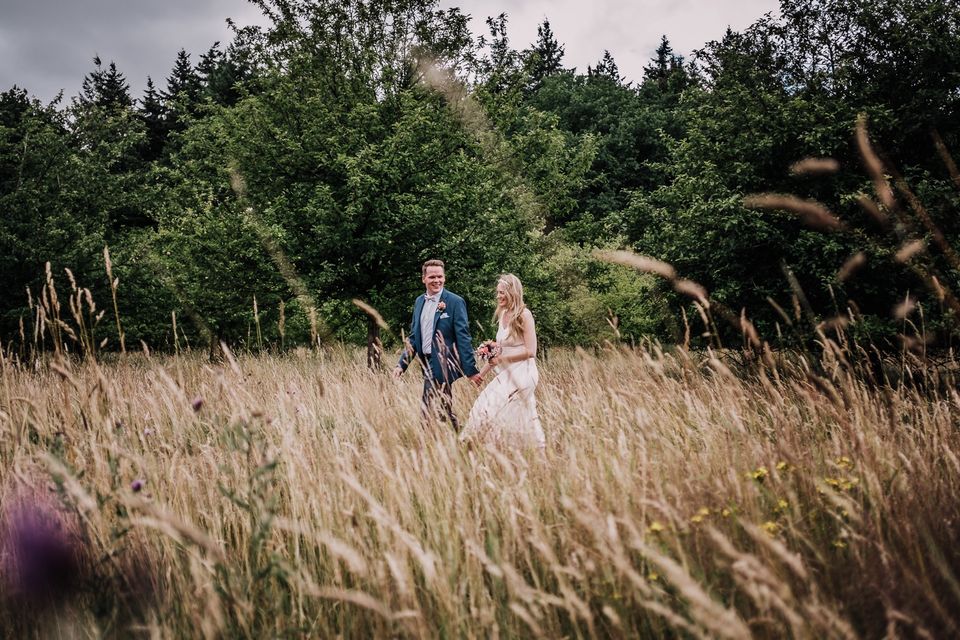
x=440, y=340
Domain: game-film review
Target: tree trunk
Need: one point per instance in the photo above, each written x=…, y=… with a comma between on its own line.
x=374, y=346
x=216, y=353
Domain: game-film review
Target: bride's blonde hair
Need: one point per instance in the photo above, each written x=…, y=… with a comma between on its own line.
x=513, y=310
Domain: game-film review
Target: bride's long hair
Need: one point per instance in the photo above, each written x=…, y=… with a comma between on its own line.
x=512, y=312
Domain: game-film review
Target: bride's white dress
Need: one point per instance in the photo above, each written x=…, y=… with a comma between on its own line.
x=506, y=410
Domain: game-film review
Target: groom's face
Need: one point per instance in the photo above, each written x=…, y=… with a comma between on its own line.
x=433, y=279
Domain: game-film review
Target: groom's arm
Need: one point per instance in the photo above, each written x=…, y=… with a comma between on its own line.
x=461, y=333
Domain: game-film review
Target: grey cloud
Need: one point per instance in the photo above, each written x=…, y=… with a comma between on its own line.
x=631, y=30
x=50, y=45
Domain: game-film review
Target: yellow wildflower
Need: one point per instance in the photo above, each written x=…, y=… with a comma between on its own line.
x=760, y=474
x=839, y=544
x=844, y=462
x=653, y=576
x=771, y=527
x=782, y=466
x=782, y=505
x=725, y=513
x=655, y=527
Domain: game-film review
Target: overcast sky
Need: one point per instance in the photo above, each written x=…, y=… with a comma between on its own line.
x=48, y=45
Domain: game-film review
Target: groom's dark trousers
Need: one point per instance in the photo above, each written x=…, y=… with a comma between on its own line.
x=438, y=391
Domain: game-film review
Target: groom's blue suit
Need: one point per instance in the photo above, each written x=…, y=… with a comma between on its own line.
x=452, y=351
x=451, y=354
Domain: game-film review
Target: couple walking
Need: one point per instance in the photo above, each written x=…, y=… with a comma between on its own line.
x=506, y=410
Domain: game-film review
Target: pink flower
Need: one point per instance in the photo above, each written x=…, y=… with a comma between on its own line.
x=488, y=350
x=441, y=305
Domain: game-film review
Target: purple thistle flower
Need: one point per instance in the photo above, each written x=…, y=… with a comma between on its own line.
x=197, y=403
x=137, y=485
x=40, y=559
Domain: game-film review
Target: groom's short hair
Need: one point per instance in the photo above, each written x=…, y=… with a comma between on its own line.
x=431, y=263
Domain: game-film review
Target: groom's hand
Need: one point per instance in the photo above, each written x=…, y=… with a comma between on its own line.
x=397, y=372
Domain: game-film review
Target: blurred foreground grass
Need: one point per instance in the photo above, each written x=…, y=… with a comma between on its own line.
x=299, y=496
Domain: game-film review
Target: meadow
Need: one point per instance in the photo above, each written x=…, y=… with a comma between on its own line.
x=299, y=495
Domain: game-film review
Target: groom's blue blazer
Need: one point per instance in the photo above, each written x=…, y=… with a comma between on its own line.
x=452, y=354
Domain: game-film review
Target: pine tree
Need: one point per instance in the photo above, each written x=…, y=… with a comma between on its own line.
x=183, y=80
x=220, y=72
x=606, y=68
x=154, y=117
x=665, y=67
x=666, y=77
x=182, y=97
x=105, y=87
x=211, y=69
x=545, y=58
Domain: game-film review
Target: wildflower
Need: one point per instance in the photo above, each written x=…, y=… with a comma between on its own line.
x=781, y=505
x=759, y=474
x=839, y=544
x=655, y=527
x=725, y=512
x=197, y=403
x=771, y=527
x=782, y=466
x=843, y=484
x=844, y=462
x=653, y=576
x=702, y=512
x=42, y=559
x=136, y=485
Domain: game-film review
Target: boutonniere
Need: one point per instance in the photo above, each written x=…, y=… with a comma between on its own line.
x=441, y=306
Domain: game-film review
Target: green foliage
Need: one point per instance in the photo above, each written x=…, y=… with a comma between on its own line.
x=106, y=88
x=544, y=59
x=596, y=302
x=784, y=89
x=318, y=159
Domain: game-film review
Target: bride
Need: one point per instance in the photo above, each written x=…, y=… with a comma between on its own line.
x=506, y=410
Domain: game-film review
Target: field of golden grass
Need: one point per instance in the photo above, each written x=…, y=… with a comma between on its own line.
x=300, y=496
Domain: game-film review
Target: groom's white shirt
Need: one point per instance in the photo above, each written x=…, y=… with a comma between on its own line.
x=427, y=318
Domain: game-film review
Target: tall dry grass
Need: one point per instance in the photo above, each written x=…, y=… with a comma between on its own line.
x=299, y=496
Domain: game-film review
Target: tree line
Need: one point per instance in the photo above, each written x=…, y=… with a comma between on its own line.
x=322, y=158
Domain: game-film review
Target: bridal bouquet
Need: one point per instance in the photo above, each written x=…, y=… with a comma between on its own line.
x=489, y=349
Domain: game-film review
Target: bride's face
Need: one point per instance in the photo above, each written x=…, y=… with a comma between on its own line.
x=501, y=295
